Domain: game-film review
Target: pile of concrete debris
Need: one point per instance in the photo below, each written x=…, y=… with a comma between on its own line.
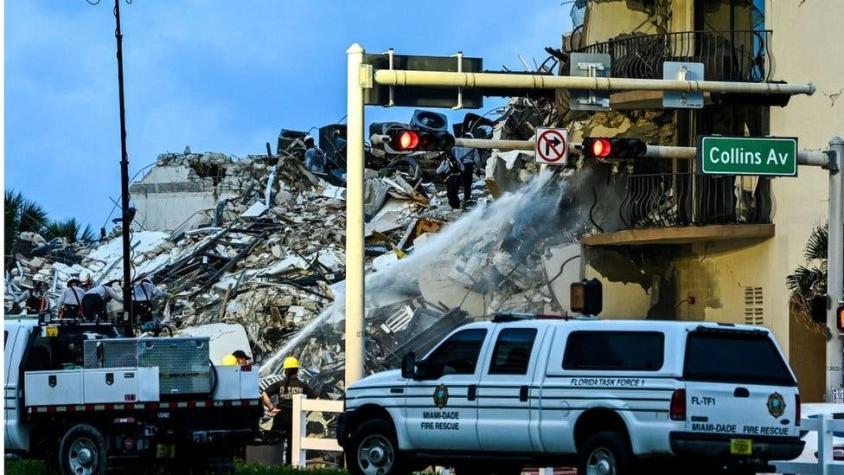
x=259, y=241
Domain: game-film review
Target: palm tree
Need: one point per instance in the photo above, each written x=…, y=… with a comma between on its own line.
x=21, y=215
x=70, y=230
x=809, y=280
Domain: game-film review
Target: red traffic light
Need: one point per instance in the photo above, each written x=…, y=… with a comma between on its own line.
x=601, y=148
x=839, y=318
x=604, y=147
x=408, y=140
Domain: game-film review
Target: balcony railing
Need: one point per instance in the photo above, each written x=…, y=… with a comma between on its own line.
x=743, y=56
x=685, y=199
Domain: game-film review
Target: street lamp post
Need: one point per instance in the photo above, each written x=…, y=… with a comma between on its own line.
x=128, y=318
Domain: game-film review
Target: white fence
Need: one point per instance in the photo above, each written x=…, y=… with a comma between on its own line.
x=825, y=465
x=301, y=442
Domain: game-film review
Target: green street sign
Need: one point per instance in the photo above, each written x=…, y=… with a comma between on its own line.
x=760, y=156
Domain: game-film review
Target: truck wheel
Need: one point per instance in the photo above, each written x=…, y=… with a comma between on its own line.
x=82, y=451
x=373, y=450
x=605, y=453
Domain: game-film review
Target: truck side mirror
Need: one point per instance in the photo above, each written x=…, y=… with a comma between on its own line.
x=408, y=366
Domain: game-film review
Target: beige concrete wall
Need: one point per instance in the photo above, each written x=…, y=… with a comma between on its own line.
x=805, y=44
x=622, y=300
x=606, y=20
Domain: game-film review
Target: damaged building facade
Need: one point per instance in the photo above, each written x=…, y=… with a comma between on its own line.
x=668, y=243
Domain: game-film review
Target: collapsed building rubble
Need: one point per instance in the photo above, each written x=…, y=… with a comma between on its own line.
x=267, y=251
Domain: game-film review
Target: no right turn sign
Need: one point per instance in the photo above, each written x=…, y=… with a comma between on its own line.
x=551, y=146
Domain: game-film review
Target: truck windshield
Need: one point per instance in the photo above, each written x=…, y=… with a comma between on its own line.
x=735, y=357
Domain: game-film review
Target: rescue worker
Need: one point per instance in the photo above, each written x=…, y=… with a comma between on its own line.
x=314, y=158
x=144, y=296
x=467, y=176
x=95, y=300
x=70, y=302
x=85, y=281
x=278, y=400
x=34, y=298
x=241, y=357
x=452, y=170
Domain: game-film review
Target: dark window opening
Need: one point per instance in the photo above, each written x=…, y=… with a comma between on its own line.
x=739, y=357
x=457, y=355
x=512, y=351
x=614, y=351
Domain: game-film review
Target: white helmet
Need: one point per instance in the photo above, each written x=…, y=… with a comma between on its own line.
x=85, y=277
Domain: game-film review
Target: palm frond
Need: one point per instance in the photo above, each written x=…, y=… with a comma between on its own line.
x=818, y=244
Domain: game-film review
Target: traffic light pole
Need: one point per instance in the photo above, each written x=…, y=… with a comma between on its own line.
x=362, y=76
x=355, y=272
x=835, y=272
x=805, y=157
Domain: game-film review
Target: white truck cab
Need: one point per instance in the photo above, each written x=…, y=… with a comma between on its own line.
x=607, y=395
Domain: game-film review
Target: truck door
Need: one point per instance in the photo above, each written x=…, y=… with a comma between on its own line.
x=504, y=392
x=441, y=407
x=739, y=386
x=14, y=343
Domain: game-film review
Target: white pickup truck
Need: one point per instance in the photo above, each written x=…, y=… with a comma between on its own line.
x=82, y=420
x=609, y=396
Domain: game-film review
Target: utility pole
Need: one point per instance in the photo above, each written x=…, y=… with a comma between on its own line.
x=835, y=272
x=128, y=318
x=355, y=274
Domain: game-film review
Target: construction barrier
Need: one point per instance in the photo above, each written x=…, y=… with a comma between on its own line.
x=301, y=442
x=825, y=465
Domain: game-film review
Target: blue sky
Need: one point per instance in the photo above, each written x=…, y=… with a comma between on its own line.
x=218, y=75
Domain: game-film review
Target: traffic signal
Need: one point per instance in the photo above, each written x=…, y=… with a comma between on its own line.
x=839, y=317
x=410, y=139
x=607, y=148
x=819, y=305
x=586, y=297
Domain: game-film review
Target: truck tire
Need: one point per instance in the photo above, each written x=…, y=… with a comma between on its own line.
x=82, y=451
x=373, y=450
x=605, y=453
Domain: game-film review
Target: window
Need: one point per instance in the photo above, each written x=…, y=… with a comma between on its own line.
x=735, y=357
x=512, y=351
x=610, y=351
x=457, y=355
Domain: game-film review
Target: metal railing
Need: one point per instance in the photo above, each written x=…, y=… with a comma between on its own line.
x=825, y=426
x=300, y=441
x=685, y=199
x=743, y=56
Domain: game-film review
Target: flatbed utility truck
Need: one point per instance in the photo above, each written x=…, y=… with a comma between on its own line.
x=83, y=398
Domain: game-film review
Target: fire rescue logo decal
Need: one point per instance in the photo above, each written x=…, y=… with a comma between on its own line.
x=776, y=405
x=441, y=396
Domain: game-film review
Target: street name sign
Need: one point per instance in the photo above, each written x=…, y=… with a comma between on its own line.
x=551, y=146
x=756, y=156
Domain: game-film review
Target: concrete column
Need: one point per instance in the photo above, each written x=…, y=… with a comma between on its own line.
x=354, y=218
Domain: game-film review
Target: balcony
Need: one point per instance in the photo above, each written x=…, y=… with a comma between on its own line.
x=677, y=208
x=743, y=56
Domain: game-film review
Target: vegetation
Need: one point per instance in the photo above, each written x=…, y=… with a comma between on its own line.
x=809, y=280
x=21, y=215
x=24, y=215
